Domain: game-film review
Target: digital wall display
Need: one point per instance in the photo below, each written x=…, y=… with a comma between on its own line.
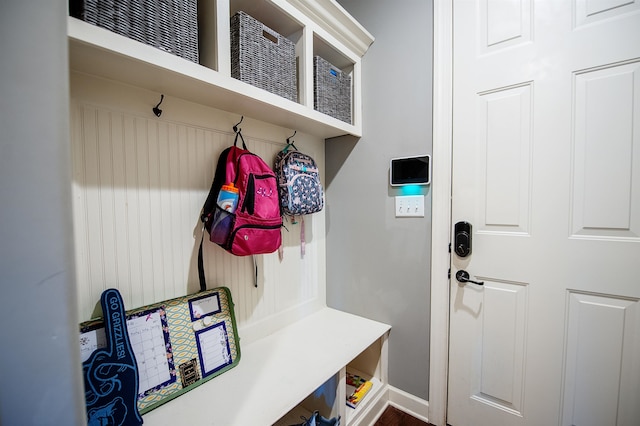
x=410, y=170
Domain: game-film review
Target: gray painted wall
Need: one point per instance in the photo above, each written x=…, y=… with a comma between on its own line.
x=39, y=357
x=378, y=265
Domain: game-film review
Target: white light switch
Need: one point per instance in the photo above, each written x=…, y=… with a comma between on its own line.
x=410, y=206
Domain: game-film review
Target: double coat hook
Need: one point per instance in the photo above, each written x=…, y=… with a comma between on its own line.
x=235, y=128
x=290, y=142
x=294, y=133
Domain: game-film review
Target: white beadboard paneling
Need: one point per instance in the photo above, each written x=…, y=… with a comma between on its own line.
x=139, y=186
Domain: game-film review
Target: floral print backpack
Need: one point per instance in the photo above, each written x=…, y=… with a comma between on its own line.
x=299, y=186
x=299, y=183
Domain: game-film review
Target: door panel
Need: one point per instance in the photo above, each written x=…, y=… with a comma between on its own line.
x=504, y=120
x=505, y=24
x=546, y=167
x=607, y=110
x=596, y=321
x=502, y=333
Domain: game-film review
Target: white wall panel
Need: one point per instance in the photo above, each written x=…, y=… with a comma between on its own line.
x=139, y=186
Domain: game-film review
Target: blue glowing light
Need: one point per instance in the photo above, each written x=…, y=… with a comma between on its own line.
x=411, y=190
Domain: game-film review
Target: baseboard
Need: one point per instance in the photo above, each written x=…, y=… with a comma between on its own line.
x=373, y=410
x=410, y=404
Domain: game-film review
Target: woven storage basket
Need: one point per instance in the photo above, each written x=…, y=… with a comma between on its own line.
x=262, y=57
x=169, y=25
x=331, y=90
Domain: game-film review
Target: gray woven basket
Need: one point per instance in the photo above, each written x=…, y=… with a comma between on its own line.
x=169, y=25
x=262, y=57
x=331, y=90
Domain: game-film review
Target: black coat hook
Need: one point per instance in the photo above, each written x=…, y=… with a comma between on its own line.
x=294, y=133
x=235, y=128
x=156, y=110
x=290, y=142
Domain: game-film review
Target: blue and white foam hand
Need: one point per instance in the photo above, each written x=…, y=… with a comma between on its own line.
x=111, y=373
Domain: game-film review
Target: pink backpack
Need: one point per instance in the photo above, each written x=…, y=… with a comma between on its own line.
x=254, y=225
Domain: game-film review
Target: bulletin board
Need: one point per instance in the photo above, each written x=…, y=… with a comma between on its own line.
x=178, y=344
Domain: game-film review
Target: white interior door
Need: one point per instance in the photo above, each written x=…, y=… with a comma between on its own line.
x=546, y=167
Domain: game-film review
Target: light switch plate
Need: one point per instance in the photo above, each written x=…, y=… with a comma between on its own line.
x=410, y=206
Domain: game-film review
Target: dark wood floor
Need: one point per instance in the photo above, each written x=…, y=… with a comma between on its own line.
x=394, y=417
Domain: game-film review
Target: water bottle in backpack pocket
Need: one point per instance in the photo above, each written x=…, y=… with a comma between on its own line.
x=223, y=217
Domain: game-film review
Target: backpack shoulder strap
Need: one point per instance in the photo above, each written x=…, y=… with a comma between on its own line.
x=201, y=278
x=235, y=141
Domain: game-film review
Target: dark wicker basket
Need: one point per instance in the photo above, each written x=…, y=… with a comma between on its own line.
x=331, y=90
x=169, y=25
x=262, y=57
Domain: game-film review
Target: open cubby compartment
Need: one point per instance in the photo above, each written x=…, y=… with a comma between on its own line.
x=372, y=365
x=327, y=400
x=210, y=44
x=272, y=16
x=338, y=59
x=279, y=20
x=346, y=66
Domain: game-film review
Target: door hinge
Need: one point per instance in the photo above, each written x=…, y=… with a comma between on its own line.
x=449, y=247
x=449, y=274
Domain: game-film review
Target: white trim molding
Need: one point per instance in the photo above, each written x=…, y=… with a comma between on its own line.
x=403, y=401
x=441, y=213
x=373, y=410
x=410, y=404
x=334, y=19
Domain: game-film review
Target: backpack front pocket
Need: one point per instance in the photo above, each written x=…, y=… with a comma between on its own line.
x=261, y=200
x=254, y=236
x=305, y=195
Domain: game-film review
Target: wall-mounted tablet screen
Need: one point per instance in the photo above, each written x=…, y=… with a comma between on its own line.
x=410, y=170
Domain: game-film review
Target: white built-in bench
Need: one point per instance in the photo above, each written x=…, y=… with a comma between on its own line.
x=280, y=368
x=278, y=375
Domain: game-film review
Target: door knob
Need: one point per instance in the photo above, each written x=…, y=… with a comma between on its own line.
x=463, y=277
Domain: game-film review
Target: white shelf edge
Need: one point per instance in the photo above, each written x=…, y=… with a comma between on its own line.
x=99, y=52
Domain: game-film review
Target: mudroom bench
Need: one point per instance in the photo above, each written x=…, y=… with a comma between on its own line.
x=290, y=373
x=288, y=367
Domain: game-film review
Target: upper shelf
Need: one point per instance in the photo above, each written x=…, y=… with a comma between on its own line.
x=97, y=51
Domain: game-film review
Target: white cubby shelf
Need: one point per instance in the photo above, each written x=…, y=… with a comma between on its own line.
x=316, y=27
